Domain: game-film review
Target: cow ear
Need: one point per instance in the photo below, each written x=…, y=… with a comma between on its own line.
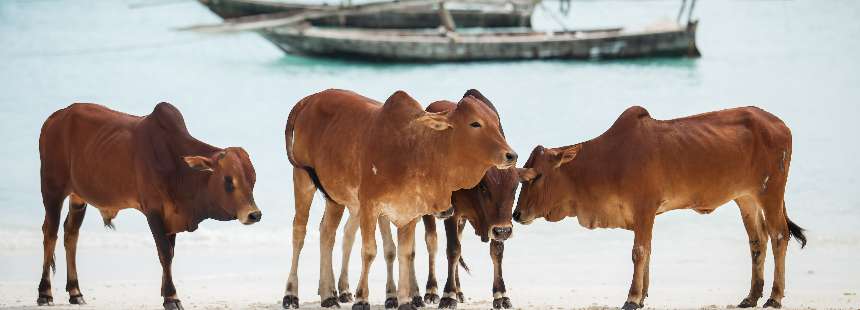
x=567, y=155
x=198, y=163
x=436, y=121
x=526, y=174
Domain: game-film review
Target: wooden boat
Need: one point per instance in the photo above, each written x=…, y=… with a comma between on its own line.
x=667, y=39
x=504, y=14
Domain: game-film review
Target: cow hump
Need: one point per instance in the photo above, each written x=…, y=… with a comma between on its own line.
x=168, y=118
x=401, y=106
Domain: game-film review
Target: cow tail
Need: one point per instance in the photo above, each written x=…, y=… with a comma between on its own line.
x=795, y=230
x=465, y=267
x=288, y=133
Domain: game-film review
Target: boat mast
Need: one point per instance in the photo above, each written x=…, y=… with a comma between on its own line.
x=689, y=12
x=445, y=18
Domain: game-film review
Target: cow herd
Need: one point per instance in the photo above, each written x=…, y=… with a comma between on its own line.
x=394, y=163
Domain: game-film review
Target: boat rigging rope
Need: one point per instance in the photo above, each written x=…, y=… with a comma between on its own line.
x=564, y=7
x=556, y=18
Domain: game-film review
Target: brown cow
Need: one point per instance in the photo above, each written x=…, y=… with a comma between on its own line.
x=115, y=161
x=642, y=167
x=487, y=207
x=392, y=159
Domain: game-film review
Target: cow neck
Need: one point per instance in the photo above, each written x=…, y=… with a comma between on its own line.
x=191, y=194
x=430, y=154
x=458, y=171
x=578, y=172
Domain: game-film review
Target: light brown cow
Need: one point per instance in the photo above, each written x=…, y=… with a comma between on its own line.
x=115, y=161
x=487, y=207
x=642, y=167
x=392, y=159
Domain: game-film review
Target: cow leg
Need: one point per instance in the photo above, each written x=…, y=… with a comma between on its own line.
x=432, y=296
x=757, y=233
x=461, y=223
x=390, y=253
x=53, y=202
x=368, y=253
x=405, y=258
x=303, y=189
x=777, y=227
x=500, y=300
x=71, y=227
x=641, y=252
x=349, y=231
x=414, y=290
x=165, y=243
x=452, y=251
x=328, y=233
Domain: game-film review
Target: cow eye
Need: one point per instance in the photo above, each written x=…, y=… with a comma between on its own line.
x=475, y=125
x=228, y=184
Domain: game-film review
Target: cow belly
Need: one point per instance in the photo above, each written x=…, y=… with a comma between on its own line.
x=701, y=205
x=103, y=173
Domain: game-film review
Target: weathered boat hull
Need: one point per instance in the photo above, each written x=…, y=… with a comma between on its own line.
x=401, y=19
x=423, y=46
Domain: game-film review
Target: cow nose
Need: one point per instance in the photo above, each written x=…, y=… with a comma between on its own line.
x=255, y=216
x=516, y=216
x=511, y=157
x=502, y=233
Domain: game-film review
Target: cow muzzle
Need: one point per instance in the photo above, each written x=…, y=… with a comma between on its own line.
x=501, y=233
x=518, y=217
x=251, y=217
x=444, y=215
x=508, y=160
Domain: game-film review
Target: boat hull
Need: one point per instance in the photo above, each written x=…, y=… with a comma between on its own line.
x=415, y=18
x=425, y=47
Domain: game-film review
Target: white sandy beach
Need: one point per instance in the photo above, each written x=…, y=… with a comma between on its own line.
x=547, y=266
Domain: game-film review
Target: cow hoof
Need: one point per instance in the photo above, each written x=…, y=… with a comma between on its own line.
x=503, y=302
x=447, y=303
x=77, y=300
x=629, y=305
x=330, y=302
x=173, y=304
x=418, y=302
x=390, y=303
x=771, y=303
x=407, y=306
x=45, y=300
x=361, y=305
x=460, y=297
x=290, y=302
x=345, y=297
x=431, y=298
x=748, y=303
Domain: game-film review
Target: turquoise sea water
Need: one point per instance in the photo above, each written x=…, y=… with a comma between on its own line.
x=796, y=59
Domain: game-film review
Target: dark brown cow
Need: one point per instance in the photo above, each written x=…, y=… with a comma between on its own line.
x=115, y=161
x=642, y=167
x=487, y=208
x=393, y=160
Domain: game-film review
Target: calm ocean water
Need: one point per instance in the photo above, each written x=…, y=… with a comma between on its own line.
x=796, y=59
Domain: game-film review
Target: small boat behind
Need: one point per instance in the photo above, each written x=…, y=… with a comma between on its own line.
x=667, y=39
x=484, y=15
